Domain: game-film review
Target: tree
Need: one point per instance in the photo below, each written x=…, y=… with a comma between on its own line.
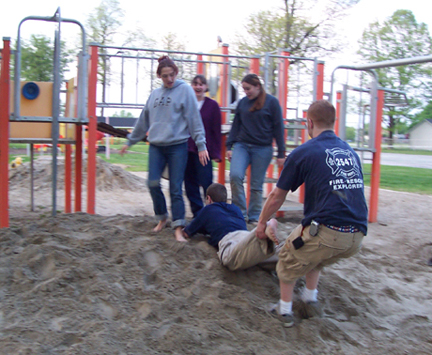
x=104, y=21
x=423, y=115
x=123, y=113
x=137, y=38
x=37, y=59
x=350, y=133
x=294, y=29
x=102, y=25
x=171, y=42
x=400, y=36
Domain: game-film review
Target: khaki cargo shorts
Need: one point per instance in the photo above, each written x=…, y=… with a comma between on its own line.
x=326, y=248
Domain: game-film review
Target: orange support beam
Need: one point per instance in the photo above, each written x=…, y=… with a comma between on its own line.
x=283, y=83
x=320, y=81
x=200, y=64
x=338, y=109
x=376, y=161
x=270, y=174
x=304, y=138
x=224, y=102
x=78, y=167
x=248, y=179
x=92, y=128
x=68, y=178
x=4, y=133
x=222, y=164
x=68, y=162
x=283, y=100
x=255, y=65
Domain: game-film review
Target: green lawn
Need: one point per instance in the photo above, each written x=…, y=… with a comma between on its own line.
x=132, y=160
x=400, y=178
x=407, y=151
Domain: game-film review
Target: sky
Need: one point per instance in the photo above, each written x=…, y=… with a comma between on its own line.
x=198, y=23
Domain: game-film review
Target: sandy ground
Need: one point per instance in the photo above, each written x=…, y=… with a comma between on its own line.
x=104, y=284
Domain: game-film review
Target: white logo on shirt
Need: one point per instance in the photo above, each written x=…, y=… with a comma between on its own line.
x=342, y=162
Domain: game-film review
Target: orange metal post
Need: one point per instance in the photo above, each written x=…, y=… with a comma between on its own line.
x=320, y=81
x=376, y=161
x=200, y=64
x=78, y=167
x=68, y=180
x=224, y=103
x=255, y=65
x=283, y=100
x=283, y=83
x=338, y=108
x=4, y=134
x=304, y=137
x=92, y=127
x=283, y=86
x=68, y=164
x=270, y=172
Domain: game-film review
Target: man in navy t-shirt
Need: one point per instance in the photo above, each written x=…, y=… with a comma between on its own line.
x=237, y=247
x=335, y=210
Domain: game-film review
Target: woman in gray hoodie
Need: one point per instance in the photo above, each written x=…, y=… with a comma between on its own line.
x=169, y=118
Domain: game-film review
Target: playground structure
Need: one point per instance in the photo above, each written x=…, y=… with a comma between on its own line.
x=82, y=104
x=83, y=114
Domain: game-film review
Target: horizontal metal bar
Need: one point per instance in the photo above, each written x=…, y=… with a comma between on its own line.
x=155, y=58
x=295, y=126
x=41, y=140
x=360, y=149
x=295, y=120
x=46, y=119
x=171, y=51
x=119, y=105
x=395, y=62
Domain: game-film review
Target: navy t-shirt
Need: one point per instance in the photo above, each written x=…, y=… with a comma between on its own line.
x=217, y=219
x=258, y=127
x=334, y=190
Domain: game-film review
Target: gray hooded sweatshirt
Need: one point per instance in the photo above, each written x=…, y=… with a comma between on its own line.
x=170, y=117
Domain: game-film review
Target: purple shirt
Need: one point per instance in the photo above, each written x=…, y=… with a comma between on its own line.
x=211, y=118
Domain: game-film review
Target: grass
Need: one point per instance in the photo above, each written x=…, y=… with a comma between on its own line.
x=395, y=178
x=400, y=178
x=132, y=160
x=407, y=151
x=135, y=159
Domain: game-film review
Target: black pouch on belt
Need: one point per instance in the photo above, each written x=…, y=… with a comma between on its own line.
x=300, y=240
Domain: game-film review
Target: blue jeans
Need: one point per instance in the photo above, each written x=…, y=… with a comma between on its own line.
x=197, y=175
x=176, y=157
x=259, y=157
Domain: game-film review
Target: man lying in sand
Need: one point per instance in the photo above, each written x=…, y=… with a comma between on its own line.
x=335, y=210
x=238, y=248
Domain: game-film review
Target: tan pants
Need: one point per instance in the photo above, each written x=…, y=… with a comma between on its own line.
x=328, y=247
x=242, y=249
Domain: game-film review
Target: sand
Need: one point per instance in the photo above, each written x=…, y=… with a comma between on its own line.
x=104, y=284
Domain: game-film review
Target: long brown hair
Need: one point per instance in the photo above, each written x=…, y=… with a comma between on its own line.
x=254, y=80
x=165, y=62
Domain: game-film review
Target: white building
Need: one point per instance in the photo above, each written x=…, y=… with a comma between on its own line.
x=421, y=134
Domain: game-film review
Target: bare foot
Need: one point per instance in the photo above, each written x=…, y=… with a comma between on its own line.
x=161, y=225
x=271, y=230
x=179, y=235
